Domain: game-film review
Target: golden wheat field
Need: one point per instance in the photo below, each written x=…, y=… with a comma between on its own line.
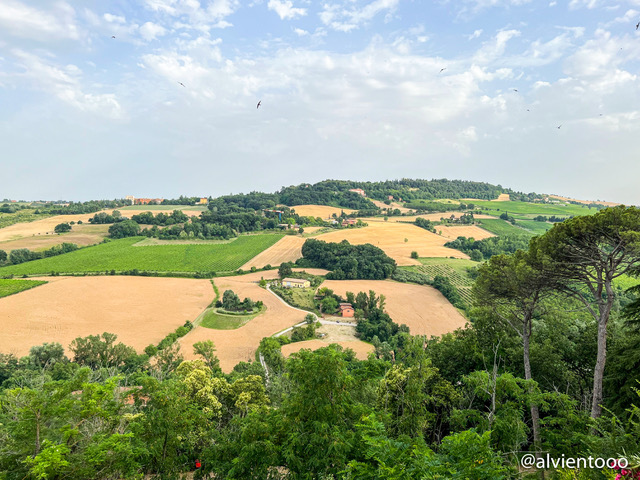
x=390, y=237
x=422, y=308
x=40, y=227
x=140, y=310
x=287, y=249
x=470, y=231
x=380, y=204
x=81, y=235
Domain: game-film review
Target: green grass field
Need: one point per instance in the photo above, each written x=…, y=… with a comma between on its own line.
x=121, y=255
x=164, y=208
x=455, y=269
x=500, y=227
x=494, y=207
x=220, y=321
x=9, y=287
x=537, y=228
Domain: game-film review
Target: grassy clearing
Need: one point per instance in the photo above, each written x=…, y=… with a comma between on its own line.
x=298, y=297
x=494, y=207
x=9, y=287
x=501, y=227
x=537, y=228
x=219, y=321
x=120, y=255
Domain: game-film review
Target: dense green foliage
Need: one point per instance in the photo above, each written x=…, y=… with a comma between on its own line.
x=122, y=255
x=62, y=228
x=489, y=246
x=348, y=261
x=426, y=224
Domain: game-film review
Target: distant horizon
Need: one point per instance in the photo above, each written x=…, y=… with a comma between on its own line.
x=165, y=197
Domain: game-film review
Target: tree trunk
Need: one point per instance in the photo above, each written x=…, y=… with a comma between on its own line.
x=601, y=358
x=598, y=372
x=535, y=414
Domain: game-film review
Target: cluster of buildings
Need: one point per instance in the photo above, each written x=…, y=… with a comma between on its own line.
x=346, y=309
x=144, y=201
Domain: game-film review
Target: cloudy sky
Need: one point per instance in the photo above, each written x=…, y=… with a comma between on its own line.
x=350, y=89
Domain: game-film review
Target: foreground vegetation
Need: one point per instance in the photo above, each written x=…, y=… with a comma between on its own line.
x=122, y=255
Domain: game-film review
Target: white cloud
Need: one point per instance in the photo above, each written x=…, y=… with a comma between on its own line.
x=495, y=47
x=27, y=22
x=285, y=9
x=192, y=15
x=300, y=32
x=64, y=83
x=151, y=31
x=589, y=4
x=475, y=34
x=114, y=18
x=346, y=19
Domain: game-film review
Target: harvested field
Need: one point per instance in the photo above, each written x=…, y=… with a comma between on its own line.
x=469, y=231
x=360, y=348
x=140, y=310
x=240, y=345
x=322, y=211
x=394, y=205
x=287, y=249
x=390, y=237
x=422, y=308
x=81, y=235
x=503, y=197
x=40, y=227
x=312, y=230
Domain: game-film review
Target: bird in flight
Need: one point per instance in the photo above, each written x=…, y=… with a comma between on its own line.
x=113, y=36
x=559, y=126
x=637, y=25
x=182, y=84
x=259, y=103
x=515, y=90
x=442, y=70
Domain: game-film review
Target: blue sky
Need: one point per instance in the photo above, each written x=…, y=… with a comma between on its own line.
x=350, y=89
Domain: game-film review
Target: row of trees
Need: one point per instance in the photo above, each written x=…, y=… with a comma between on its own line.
x=21, y=255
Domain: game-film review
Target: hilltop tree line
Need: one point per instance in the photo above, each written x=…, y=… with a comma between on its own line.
x=347, y=261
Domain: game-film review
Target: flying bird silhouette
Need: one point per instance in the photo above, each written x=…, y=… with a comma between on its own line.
x=637, y=25
x=259, y=103
x=182, y=84
x=113, y=36
x=559, y=126
x=442, y=70
x=515, y=90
